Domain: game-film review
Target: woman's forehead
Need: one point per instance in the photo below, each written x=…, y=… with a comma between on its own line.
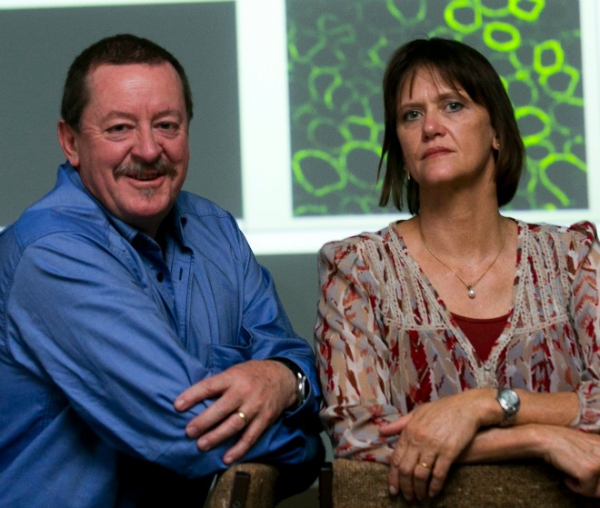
x=432, y=73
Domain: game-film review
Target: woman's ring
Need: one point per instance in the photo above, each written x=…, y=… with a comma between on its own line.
x=425, y=465
x=243, y=416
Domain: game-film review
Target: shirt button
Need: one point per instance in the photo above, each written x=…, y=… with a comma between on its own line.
x=160, y=277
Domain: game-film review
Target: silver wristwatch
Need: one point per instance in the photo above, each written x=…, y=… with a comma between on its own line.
x=510, y=403
x=301, y=380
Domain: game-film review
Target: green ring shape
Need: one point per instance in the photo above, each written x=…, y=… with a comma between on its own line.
x=497, y=26
x=301, y=155
x=533, y=139
x=453, y=23
x=550, y=46
x=531, y=16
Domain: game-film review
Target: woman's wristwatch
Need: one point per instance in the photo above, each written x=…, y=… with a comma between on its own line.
x=510, y=403
x=301, y=380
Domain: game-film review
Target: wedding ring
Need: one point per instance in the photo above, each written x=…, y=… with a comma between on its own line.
x=243, y=416
x=425, y=465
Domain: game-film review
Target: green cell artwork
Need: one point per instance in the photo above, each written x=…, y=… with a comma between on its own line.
x=337, y=53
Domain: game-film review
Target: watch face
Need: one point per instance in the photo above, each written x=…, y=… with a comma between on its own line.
x=511, y=397
x=509, y=400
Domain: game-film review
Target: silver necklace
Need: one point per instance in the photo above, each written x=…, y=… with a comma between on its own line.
x=470, y=287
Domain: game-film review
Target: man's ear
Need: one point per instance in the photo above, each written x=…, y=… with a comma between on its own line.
x=68, y=142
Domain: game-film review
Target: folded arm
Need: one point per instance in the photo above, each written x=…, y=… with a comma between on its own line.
x=91, y=324
x=433, y=436
x=575, y=453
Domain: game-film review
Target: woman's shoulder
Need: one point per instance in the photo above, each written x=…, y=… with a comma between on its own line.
x=583, y=231
x=358, y=243
x=579, y=241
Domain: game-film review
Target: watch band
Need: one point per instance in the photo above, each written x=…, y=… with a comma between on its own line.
x=301, y=380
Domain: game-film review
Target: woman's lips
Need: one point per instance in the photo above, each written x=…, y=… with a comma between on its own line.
x=433, y=152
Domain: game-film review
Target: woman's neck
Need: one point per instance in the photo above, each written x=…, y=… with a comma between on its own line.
x=468, y=231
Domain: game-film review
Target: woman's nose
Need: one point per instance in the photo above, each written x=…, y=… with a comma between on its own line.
x=432, y=125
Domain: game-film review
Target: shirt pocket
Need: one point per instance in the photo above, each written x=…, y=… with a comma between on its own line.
x=224, y=356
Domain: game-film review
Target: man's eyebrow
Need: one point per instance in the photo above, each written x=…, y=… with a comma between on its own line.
x=168, y=112
x=114, y=114
x=124, y=114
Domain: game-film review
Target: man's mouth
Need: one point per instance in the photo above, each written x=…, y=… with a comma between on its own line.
x=146, y=171
x=151, y=175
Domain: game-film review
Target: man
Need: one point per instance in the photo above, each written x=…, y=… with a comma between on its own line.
x=142, y=348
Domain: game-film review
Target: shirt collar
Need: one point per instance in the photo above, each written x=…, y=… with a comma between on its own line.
x=175, y=221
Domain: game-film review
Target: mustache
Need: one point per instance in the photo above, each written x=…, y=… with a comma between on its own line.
x=141, y=170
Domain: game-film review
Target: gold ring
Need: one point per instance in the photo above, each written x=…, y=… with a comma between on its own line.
x=242, y=416
x=425, y=465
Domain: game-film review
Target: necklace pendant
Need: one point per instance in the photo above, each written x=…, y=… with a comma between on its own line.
x=471, y=292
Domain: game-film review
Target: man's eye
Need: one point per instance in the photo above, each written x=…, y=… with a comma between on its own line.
x=167, y=126
x=117, y=128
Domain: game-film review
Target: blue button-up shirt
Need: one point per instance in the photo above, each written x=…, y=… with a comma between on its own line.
x=100, y=331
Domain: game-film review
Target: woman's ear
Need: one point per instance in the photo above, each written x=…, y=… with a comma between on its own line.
x=67, y=137
x=496, y=143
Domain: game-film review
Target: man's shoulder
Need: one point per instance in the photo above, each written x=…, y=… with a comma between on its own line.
x=65, y=209
x=40, y=222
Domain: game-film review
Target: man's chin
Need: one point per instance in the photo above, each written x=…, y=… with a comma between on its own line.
x=147, y=214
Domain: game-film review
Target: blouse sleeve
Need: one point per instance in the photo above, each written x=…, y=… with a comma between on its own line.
x=353, y=359
x=584, y=261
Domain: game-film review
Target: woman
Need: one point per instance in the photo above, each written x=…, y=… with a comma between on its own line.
x=459, y=335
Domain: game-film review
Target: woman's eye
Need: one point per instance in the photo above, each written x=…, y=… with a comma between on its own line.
x=454, y=106
x=412, y=114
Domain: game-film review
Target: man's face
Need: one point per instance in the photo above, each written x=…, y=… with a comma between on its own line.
x=132, y=150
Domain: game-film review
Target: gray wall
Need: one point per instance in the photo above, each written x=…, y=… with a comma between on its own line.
x=296, y=280
x=36, y=48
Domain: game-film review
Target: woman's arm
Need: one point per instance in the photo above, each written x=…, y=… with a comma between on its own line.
x=583, y=252
x=352, y=357
x=434, y=435
x=575, y=453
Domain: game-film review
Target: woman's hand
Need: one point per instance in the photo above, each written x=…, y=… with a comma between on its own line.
x=576, y=454
x=431, y=438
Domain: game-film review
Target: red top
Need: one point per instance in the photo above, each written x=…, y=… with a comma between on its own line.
x=482, y=333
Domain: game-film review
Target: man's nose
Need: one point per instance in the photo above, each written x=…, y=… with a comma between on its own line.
x=146, y=146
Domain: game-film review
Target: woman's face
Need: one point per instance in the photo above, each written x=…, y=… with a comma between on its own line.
x=446, y=138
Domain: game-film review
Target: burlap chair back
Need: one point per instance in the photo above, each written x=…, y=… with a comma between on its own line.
x=357, y=484
x=245, y=486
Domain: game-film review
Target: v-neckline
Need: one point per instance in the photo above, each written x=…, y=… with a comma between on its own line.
x=484, y=371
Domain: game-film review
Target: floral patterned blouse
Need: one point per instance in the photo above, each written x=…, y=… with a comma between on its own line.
x=386, y=341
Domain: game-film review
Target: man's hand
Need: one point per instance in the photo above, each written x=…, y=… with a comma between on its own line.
x=249, y=397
